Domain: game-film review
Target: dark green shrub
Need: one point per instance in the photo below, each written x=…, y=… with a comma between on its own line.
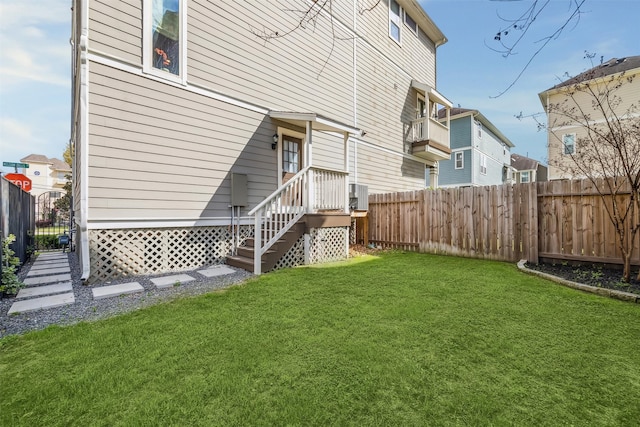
x=47, y=241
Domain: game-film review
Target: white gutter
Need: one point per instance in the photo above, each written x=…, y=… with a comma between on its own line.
x=83, y=141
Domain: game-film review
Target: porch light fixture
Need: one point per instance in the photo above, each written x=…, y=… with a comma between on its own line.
x=274, y=144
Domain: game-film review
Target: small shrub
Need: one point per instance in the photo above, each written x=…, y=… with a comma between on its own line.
x=10, y=283
x=47, y=241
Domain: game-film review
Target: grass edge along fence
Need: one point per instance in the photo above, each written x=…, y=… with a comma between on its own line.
x=563, y=220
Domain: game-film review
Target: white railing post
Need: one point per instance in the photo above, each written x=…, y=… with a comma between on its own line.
x=257, y=244
x=311, y=193
x=346, y=169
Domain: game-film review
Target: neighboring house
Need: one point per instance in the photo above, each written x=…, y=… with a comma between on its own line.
x=527, y=170
x=480, y=153
x=193, y=126
x=564, y=135
x=48, y=177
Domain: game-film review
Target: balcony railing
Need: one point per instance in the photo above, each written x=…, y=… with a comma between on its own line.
x=429, y=129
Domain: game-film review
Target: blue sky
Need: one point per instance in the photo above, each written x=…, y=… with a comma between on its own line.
x=35, y=72
x=472, y=75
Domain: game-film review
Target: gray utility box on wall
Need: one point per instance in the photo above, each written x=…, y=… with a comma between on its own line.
x=239, y=190
x=358, y=197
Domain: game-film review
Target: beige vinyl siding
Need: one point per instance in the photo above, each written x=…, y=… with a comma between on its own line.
x=416, y=55
x=284, y=74
x=150, y=159
x=628, y=94
x=386, y=101
x=116, y=28
x=384, y=172
x=328, y=151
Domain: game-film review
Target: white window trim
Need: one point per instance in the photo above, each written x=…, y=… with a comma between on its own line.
x=563, y=147
x=147, y=44
x=404, y=19
x=397, y=20
x=483, y=164
x=523, y=174
x=479, y=130
x=455, y=159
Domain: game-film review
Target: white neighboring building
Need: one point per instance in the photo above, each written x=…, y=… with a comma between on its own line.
x=47, y=175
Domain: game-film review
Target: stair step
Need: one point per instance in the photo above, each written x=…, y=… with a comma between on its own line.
x=241, y=262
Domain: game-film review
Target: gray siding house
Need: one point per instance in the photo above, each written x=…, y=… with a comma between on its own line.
x=527, y=170
x=480, y=153
x=197, y=123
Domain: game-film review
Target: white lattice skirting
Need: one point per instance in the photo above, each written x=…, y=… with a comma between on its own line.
x=129, y=252
x=326, y=245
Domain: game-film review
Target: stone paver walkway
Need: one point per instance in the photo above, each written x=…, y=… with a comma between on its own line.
x=48, y=284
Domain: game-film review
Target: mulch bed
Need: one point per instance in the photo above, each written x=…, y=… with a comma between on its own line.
x=591, y=274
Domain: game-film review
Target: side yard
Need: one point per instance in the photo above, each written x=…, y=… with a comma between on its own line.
x=389, y=339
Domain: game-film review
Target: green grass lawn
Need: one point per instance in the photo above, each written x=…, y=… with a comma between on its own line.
x=400, y=339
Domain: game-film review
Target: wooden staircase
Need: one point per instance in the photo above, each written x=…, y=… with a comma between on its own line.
x=245, y=254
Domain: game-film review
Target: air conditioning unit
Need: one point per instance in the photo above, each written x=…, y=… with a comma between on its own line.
x=358, y=197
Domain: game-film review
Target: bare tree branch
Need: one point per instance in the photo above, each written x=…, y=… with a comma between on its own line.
x=309, y=17
x=523, y=24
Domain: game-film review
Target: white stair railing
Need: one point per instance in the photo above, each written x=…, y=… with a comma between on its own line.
x=310, y=190
x=277, y=214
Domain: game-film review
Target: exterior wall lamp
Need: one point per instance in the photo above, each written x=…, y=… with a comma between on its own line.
x=274, y=144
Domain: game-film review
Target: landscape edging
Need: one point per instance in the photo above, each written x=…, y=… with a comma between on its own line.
x=612, y=293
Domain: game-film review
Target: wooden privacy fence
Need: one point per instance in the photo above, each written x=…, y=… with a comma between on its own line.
x=556, y=219
x=574, y=225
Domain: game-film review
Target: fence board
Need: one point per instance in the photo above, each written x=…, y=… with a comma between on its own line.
x=556, y=219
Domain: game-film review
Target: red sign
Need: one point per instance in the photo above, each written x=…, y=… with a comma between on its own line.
x=20, y=180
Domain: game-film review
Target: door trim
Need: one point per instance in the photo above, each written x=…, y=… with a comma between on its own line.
x=288, y=132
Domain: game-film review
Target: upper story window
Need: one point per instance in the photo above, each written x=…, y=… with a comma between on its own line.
x=395, y=11
x=483, y=164
x=524, y=177
x=479, y=129
x=164, y=39
x=569, y=143
x=459, y=160
x=409, y=22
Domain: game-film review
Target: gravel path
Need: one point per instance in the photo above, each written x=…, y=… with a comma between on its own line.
x=87, y=309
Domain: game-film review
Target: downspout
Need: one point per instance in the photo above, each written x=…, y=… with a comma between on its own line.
x=355, y=96
x=84, y=142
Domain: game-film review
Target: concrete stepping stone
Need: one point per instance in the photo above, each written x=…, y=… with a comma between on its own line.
x=50, y=301
x=45, y=266
x=51, y=261
x=38, y=291
x=48, y=271
x=170, y=281
x=216, y=270
x=116, y=290
x=49, y=257
x=30, y=281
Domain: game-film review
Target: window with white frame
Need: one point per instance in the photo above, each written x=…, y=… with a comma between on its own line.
x=524, y=177
x=459, y=160
x=409, y=22
x=479, y=129
x=164, y=38
x=483, y=164
x=569, y=143
x=395, y=11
